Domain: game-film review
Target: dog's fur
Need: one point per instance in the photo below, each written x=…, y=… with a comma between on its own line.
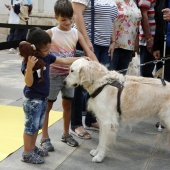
x=141, y=98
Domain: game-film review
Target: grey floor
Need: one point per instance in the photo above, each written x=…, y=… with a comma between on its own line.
x=143, y=148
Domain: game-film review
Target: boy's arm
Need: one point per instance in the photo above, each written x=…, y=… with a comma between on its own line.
x=29, y=70
x=66, y=61
x=86, y=49
x=49, y=32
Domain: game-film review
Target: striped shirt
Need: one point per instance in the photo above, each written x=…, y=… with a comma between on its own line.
x=104, y=16
x=149, y=4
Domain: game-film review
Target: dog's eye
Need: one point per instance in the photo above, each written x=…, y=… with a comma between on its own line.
x=71, y=70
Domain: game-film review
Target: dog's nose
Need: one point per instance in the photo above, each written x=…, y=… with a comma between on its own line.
x=64, y=82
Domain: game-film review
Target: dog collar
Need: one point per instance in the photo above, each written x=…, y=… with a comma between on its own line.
x=114, y=83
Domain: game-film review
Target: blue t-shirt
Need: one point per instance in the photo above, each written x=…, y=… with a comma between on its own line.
x=39, y=90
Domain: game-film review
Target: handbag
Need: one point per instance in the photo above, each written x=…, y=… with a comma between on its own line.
x=13, y=17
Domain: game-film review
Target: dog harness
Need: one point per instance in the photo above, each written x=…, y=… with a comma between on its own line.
x=114, y=83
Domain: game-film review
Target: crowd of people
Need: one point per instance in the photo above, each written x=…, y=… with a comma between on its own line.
x=106, y=31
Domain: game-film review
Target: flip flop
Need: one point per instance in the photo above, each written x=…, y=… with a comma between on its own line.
x=82, y=135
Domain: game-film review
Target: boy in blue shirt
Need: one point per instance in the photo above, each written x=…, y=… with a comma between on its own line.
x=35, y=94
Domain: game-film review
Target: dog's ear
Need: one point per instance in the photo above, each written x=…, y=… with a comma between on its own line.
x=84, y=75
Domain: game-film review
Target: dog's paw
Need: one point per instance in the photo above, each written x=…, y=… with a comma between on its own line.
x=93, y=152
x=98, y=158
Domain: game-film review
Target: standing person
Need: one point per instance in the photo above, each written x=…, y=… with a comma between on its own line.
x=35, y=94
x=105, y=11
x=23, y=9
x=125, y=35
x=162, y=15
x=146, y=36
x=64, y=40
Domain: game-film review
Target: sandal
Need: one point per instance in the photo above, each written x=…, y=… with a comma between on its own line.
x=41, y=152
x=81, y=135
x=46, y=144
x=32, y=157
x=69, y=140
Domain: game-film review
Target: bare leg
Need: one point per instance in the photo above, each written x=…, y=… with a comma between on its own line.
x=45, y=125
x=29, y=142
x=66, y=115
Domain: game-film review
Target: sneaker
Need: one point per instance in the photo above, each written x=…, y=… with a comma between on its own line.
x=32, y=157
x=12, y=51
x=69, y=140
x=46, y=144
x=42, y=152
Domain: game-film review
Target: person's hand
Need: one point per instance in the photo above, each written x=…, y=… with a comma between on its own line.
x=156, y=54
x=89, y=44
x=166, y=14
x=87, y=58
x=111, y=50
x=31, y=62
x=149, y=45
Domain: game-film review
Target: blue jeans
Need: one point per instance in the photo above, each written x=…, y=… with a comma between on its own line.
x=34, y=110
x=101, y=53
x=121, y=60
x=145, y=56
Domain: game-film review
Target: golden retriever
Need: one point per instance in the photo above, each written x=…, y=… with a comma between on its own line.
x=140, y=98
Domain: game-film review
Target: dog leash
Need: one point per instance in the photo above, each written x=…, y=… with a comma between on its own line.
x=150, y=62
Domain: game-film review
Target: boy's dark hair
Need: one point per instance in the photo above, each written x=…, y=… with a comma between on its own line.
x=38, y=37
x=63, y=8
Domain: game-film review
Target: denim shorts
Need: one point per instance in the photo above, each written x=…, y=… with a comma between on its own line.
x=56, y=85
x=34, y=110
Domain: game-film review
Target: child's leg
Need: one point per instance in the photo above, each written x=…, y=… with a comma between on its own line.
x=66, y=115
x=29, y=142
x=45, y=125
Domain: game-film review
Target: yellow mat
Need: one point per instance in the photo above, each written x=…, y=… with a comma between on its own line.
x=11, y=128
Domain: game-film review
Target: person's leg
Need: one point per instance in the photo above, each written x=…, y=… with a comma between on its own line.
x=104, y=56
x=66, y=115
x=77, y=107
x=125, y=58
x=45, y=125
x=114, y=62
x=29, y=142
x=33, y=112
x=67, y=96
x=145, y=56
x=20, y=34
x=54, y=90
x=167, y=70
x=10, y=36
x=76, y=114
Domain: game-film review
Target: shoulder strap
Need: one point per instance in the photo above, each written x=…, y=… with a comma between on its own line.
x=92, y=21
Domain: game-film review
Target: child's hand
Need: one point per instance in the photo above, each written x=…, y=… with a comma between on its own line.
x=31, y=62
x=87, y=58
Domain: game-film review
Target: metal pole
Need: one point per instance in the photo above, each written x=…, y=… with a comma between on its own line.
x=164, y=53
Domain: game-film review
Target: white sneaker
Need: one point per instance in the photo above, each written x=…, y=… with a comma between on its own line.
x=12, y=51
